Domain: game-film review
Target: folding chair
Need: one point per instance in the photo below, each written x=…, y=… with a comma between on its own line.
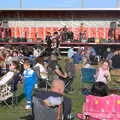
x=68, y=82
x=82, y=117
x=87, y=78
x=5, y=93
x=41, y=81
x=87, y=75
x=41, y=112
x=47, y=83
x=102, y=108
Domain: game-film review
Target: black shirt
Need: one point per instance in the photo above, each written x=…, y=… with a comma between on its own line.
x=116, y=61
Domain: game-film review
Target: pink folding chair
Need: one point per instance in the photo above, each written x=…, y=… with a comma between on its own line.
x=102, y=108
x=82, y=117
x=117, y=106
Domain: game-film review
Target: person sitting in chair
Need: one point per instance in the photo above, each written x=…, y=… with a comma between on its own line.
x=9, y=76
x=56, y=93
x=56, y=70
x=99, y=89
x=103, y=74
x=41, y=69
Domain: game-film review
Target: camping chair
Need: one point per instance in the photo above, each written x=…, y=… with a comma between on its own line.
x=42, y=81
x=42, y=112
x=5, y=93
x=6, y=84
x=68, y=83
x=102, y=108
x=87, y=77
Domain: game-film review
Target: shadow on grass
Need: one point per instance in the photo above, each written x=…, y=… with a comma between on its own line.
x=28, y=117
x=20, y=98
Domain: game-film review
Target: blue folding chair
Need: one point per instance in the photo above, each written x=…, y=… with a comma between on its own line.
x=87, y=75
x=87, y=79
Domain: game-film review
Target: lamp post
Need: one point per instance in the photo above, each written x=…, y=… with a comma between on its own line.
x=20, y=3
x=82, y=3
x=117, y=3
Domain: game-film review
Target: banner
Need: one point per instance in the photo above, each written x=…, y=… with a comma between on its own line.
x=39, y=33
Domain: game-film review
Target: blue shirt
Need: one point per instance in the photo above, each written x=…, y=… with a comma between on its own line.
x=77, y=58
x=92, y=52
x=70, y=53
x=30, y=78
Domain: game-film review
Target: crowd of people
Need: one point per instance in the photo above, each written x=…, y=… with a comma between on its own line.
x=32, y=66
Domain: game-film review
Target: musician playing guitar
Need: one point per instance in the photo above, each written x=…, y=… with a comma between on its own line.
x=82, y=32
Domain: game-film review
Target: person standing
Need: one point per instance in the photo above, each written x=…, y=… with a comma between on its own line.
x=71, y=52
x=49, y=43
x=82, y=30
x=30, y=81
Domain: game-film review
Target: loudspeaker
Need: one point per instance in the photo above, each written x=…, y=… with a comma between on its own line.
x=91, y=40
x=5, y=24
x=113, y=25
x=0, y=22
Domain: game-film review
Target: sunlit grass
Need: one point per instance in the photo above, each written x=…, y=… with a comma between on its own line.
x=17, y=111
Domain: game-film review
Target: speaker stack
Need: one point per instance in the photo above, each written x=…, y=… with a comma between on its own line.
x=5, y=28
x=91, y=40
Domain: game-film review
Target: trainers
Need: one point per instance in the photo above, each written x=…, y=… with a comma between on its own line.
x=28, y=107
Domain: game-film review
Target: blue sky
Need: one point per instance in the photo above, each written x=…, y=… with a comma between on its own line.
x=58, y=3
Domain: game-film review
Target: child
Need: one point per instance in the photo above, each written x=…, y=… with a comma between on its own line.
x=30, y=81
x=103, y=74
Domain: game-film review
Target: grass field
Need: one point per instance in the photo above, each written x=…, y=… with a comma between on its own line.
x=16, y=112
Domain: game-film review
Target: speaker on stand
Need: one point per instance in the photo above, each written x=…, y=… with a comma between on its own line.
x=113, y=25
x=5, y=30
x=5, y=23
x=111, y=32
x=91, y=40
x=1, y=29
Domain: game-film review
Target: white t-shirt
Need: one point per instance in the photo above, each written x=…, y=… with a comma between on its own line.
x=43, y=71
x=101, y=75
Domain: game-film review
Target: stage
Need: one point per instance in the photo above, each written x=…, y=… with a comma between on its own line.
x=62, y=43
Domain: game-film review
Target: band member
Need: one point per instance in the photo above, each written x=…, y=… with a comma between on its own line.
x=111, y=32
x=49, y=42
x=56, y=43
x=63, y=35
x=82, y=32
x=56, y=40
